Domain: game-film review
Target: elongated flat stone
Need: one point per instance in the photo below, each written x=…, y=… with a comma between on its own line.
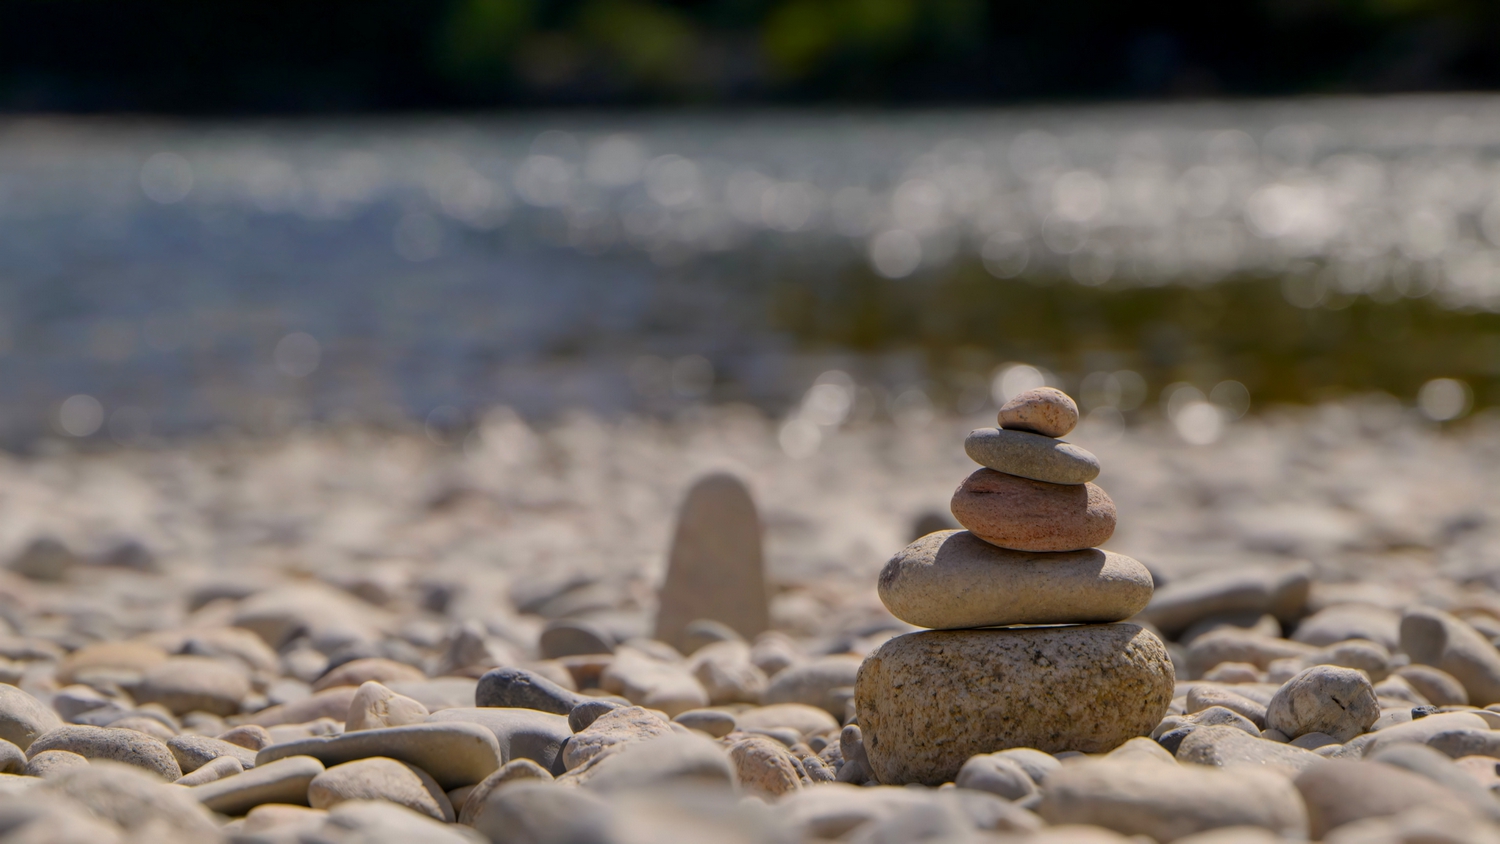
x=952, y=579
x=280, y=781
x=1026, y=515
x=1031, y=456
x=455, y=753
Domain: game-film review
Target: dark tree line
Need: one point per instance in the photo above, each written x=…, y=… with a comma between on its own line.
x=275, y=56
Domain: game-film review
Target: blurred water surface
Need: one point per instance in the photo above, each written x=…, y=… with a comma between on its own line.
x=163, y=276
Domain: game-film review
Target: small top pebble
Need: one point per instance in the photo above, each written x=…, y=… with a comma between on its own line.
x=1044, y=410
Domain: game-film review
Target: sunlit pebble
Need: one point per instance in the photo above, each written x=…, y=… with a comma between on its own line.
x=1442, y=399
x=80, y=415
x=297, y=355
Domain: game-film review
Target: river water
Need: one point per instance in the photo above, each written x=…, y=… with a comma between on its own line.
x=163, y=277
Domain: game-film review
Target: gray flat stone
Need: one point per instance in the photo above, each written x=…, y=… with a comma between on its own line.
x=519, y=688
x=1031, y=456
x=454, y=753
x=521, y=733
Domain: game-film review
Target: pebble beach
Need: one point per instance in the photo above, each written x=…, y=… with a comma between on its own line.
x=351, y=633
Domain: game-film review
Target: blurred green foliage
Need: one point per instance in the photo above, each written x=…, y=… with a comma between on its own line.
x=277, y=55
x=965, y=322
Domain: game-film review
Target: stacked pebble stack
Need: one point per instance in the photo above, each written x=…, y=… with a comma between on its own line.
x=982, y=678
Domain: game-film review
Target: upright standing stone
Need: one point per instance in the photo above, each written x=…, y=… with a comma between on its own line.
x=716, y=570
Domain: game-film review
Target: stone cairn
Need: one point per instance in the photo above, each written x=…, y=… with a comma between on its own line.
x=982, y=679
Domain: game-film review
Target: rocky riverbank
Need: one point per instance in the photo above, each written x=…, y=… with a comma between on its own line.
x=348, y=634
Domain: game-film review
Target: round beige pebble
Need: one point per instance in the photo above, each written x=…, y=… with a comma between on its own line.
x=375, y=706
x=380, y=778
x=763, y=767
x=1324, y=699
x=1044, y=410
x=1026, y=515
x=952, y=579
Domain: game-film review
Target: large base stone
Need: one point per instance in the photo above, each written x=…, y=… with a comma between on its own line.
x=928, y=701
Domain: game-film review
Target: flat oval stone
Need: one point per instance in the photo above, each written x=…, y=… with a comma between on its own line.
x=952, y=579
x=520, y=733
x=126, y=746
x=455, y=753
x=1026, y=515
x=928, y=701
x=281, y=781
x=1031, y=455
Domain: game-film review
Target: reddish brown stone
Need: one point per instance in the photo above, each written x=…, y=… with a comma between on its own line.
x=1027, y=515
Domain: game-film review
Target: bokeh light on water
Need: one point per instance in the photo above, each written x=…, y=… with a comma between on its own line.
x=258, y=274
